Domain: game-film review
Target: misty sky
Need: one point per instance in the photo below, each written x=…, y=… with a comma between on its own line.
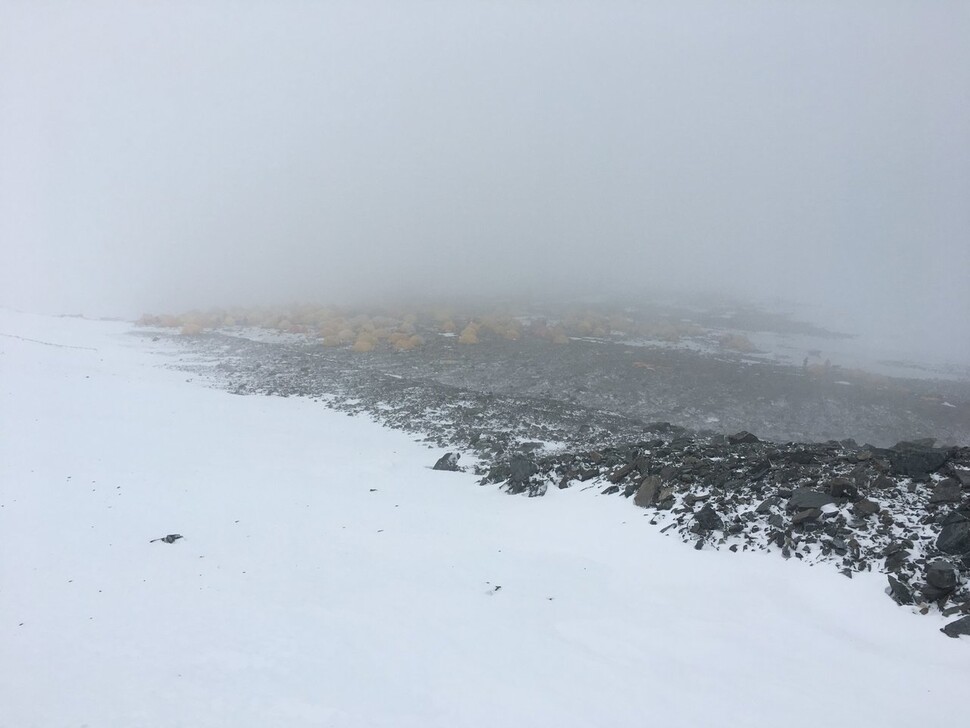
x=164, y=155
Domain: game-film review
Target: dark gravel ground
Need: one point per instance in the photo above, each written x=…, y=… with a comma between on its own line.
x=724, y=392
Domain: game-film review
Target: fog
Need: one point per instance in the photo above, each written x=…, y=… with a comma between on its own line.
x=163, y=155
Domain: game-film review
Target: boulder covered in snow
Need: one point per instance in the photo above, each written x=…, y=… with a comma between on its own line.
x=448, y=461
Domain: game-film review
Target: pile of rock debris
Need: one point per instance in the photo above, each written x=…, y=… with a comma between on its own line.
x=903, y=510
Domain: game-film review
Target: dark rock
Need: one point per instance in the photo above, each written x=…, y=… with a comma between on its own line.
x=899, y=591
x=767, y=504
x=896, y=560
x=954, y=538
x=883, y=481
x=802, y=498
x=787, y=475
x=610, y=490
x=942, y=575
x=171, y=538
x=498, y=473
x=521, y=469
x=946, y=491
x=843, y=488
x=693, y=498
x=620, y=474
x=931, y=593
x=669, y=472
x=647, y=491
x=958, y=627
x=865, y=507
x=708, y=519
x=742, y=438
x=962, y=477
x=760, y=469
x=833, y=529
x=916, y=462
x=801, y=457
x=897, y=546
x=957, y=609
x=806, y=515
x=776, y=521
x=955, y=516
x=448, y=461
x=859, y=476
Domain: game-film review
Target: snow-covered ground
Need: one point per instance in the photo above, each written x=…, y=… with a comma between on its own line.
x=328, y=577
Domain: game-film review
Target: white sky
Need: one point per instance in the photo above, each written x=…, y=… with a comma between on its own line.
x=162, y=155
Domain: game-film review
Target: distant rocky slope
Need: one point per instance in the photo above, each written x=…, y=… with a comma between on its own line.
x=902, y=509
x=696, y=368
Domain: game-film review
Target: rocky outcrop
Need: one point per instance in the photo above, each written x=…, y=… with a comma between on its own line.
x=448, y=461
x=954, y=538
x=832, y=502
x=957, y=627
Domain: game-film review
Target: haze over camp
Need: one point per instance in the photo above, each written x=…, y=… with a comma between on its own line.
x=168, y=156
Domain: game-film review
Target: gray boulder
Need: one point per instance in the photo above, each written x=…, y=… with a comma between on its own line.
x=708, y=519
x=803, y=498
x=843, y=488
x=941, y=579
x=742, y=438
x=804, y=516
x=954, y=538
x=865, y=507
x=882, y=482
x=946, y=491
x=767, y=504
x=899, y=591
x=916, y=462
x=521, y=470
x=448, y=461
x=958, y=627
x=647, y=492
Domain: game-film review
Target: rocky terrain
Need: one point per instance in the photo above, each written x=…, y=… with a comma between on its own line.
x=667, y=428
